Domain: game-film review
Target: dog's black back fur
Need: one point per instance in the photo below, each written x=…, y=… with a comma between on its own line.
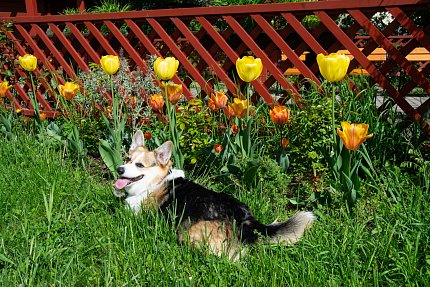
x=193, y=202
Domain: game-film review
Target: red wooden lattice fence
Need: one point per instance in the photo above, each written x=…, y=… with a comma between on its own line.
x=212, y=38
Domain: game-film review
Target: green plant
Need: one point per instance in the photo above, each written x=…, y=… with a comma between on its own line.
x=196, y=124
x=6, y=125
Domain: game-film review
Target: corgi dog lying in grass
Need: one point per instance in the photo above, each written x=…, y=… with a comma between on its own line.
x=204, y=217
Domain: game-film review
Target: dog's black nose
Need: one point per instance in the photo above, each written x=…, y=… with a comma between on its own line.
x=120, y=170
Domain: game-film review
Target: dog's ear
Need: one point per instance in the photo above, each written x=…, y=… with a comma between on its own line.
x=164, y=152
x=138, y=140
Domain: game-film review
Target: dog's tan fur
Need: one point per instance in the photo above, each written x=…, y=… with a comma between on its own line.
x=216, y=235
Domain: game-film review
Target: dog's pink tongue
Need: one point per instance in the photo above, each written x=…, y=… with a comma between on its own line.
x=121, y=183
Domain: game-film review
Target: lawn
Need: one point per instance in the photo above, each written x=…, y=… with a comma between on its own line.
x=61, y=226
x=364, y=171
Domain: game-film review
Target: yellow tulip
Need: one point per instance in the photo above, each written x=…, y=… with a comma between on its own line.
x=166, y=68
x=249, y=68
x=280, y=115
x=4, y=86
x=28, y=62
x=333, y=67
x=68, y=90
x=110, y=64
x=353, y=135
x=239, y=107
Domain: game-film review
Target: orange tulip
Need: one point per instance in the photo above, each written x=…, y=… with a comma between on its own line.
x=239, y=107
x=174, y=92
x=284, y=143
x=280, y=115
x=353, y=135
x=4, y=86
x=147, y=136
x=218, y=148
x=68, y=90
x=234, y=129
x=217, y=101
x=156, y=102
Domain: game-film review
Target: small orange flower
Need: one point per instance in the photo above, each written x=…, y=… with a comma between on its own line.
x=4, y=86
x=284, y=143
x=147, y=136
x=218, y=148
x=27, y=120
x=280, y=115
x=234, y=129
x=174, y=92
x=42, y=116
x=68, y=90
x=217, y=101
x=353, y=135
x=131, y=101
x=239, y=107
x=108, y=111
x=156, y=102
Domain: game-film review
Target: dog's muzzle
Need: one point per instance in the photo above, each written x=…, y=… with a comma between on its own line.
x=124, y=181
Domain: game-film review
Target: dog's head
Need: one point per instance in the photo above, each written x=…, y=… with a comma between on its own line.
x=144, y=170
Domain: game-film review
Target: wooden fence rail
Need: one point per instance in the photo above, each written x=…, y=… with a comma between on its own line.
x=207, y=41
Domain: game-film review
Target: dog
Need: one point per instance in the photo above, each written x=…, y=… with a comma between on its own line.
x=204, y=217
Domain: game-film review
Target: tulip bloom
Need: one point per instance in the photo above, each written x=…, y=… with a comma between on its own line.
x=333, y=67
x=280, y=115
x=249, y=68
x=156, y=102
x=28, y=62
x=174, y=92
x=147, y=136
x=234, y=129
x=217, y=101
x=284, y=143
x=4, y=86
x=353, y=135
x=218, y=148
x=239, y=107
x=110, y=64
x=68, y=90
x=166, y=68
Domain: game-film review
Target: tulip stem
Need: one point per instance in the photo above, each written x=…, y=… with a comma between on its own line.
x=34, y=103
x=248, y=91
x=332, y=114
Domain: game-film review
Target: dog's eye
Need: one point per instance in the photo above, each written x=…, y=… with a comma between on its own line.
x=139, y=165
x=127, y=159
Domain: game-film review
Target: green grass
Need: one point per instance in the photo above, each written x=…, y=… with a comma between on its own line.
x=61, y=226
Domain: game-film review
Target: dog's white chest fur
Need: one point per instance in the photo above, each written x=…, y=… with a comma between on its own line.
x=135, y=201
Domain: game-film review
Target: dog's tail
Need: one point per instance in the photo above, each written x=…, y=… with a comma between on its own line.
x=290, y=231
